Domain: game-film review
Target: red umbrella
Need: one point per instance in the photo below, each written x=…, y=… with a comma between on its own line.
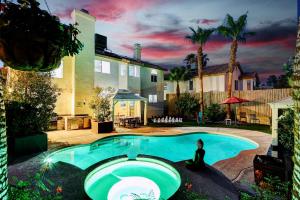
x=234, y=100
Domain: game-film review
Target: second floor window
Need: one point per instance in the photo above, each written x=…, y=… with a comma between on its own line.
x=236, y=85
x=134, y=71
x=102, y=66
x=123, y=70
x=152, y=98
x=153, y=75
x=191, y=85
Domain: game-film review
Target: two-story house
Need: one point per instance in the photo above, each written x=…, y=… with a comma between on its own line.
x=95, y=66
x=215, y=78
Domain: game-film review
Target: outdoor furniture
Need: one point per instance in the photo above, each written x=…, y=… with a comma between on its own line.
x=228, y=121
x=234, y=100
x=243, y=115
x=131, y=122
x=254, y=119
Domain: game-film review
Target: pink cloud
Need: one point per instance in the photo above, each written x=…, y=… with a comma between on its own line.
x=208, y=21
x=109, y=10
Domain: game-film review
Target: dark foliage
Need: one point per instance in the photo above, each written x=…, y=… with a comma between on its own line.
x=31, y=39
x=214, y=113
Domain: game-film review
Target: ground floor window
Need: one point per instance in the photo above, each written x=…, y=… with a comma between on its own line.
x=152, y=98
x=191, y=85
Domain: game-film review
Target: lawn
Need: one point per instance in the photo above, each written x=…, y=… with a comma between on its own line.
x=253, y=127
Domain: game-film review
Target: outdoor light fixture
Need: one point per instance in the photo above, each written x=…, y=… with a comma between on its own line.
x=130, y=188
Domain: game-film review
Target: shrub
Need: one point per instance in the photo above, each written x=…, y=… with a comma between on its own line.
x=214, y=113
x=35, y=188
x=285, y=130
x=101, y=103
x=36, y=97
x=187, y=104
x=21, y=119
x=271, y=188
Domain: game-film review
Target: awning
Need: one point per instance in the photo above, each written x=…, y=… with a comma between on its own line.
x=126, y=95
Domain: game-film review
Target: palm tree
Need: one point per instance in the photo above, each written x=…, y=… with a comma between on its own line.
x=296, y=97
x=178, y=74
x=192, y=58
x=200, y=37
x=236, y=31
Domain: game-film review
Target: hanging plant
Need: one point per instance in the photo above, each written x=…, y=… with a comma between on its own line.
x=31, y=39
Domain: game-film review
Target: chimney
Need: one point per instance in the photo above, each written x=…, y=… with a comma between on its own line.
x=137, y=51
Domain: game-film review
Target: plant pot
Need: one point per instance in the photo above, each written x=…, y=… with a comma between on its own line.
x=102, y=127
x=28, y=144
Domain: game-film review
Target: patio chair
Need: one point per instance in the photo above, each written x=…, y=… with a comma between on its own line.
x=254, y=119
x=243, y=115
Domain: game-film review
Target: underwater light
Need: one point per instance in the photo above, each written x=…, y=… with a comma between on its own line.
x=135, y=187
x=48, y=160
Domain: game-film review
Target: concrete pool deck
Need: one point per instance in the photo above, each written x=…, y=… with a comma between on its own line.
x=212, y=182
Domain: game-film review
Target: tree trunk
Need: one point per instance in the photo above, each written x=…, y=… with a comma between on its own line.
x=200, y=75
x=296, y=97
x=177, y=90
x=3, y=149
x=231, y=65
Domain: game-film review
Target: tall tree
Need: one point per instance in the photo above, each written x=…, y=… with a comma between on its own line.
x=272, y=81
x=178, y=74
x=236, y=31
x=296, y=97
x=200, y=36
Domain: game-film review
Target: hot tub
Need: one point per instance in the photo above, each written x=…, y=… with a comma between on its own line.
x=123, y=179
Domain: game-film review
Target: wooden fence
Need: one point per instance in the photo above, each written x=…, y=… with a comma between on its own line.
x=258, y=104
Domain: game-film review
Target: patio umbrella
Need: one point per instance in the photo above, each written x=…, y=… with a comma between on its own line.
x=234, y=100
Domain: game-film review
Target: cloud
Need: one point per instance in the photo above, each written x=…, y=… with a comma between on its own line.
x=281, y=34
x=108, y=10
x=205, y=21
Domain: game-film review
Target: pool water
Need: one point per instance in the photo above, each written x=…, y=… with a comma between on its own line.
x=124, y=179
x=173, y=148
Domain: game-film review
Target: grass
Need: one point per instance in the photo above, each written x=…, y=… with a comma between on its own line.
x=253, y=127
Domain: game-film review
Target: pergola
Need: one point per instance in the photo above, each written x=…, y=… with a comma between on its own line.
x=126, y=95
x=275, y=106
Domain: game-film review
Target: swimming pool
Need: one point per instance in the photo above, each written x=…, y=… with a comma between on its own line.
x=174, y=148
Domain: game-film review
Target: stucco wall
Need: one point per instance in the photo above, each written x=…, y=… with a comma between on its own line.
x=65, y=101
x=148, y=88
x=84, y=63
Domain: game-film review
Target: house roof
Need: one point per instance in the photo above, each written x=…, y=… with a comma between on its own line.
x=125, y=95
x=248, y=75
x=131, y=60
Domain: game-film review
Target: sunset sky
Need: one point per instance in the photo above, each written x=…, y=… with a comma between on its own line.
x=160, y=27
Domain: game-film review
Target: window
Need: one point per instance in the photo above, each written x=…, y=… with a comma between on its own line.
x=236, y=85
x=248, y=84
x=134, y=71
x=152, y=98
x=102, y=66
x=123, y=70
x=59, y=72
x=191, y=85
x=122, y=104
x=153, y=78
x=154, y=75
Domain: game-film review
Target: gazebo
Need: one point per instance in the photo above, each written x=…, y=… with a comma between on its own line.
x=275, y=106
x=127, y=97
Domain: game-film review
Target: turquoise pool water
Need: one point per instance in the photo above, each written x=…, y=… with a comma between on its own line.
x=173, y=148
x=124, y=179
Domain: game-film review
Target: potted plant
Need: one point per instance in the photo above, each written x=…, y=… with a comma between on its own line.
x=101, y=106
x=32, y=39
